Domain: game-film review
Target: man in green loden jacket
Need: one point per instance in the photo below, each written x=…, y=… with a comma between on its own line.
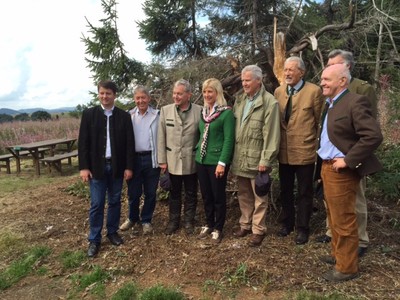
x=257, y=139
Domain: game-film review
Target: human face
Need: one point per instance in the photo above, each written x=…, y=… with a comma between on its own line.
x=181, y=97
x=106, y=97
x=292, y=73
x=336, y=60
x=142, y=101
x=332, y=84
x=250, y=84
x=209, y=96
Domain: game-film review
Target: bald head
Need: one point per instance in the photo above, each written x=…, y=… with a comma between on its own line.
x=334, y=80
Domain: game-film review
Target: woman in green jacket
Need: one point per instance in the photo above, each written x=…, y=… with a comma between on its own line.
x=213, y=157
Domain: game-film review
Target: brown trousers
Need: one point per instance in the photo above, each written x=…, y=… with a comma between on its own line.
x=340, y=190
x=252, y=207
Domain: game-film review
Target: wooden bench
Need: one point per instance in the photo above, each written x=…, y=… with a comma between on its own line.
x=55, y=161
x=5, y=158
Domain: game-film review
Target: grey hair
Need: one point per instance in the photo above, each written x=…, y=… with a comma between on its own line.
x=346, y=55
x=255, y=71
x=300, y=62
x=143, y=89
x=185, y=83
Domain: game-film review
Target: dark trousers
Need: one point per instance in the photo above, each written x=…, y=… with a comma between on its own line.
x=304, y=204
x=145, y=180
x=213, y=194
x=175, y=199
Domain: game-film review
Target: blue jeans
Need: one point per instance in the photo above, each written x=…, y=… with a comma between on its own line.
x=98, y=190
x=145, y=180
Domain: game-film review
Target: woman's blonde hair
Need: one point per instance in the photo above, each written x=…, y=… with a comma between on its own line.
x=216, y=85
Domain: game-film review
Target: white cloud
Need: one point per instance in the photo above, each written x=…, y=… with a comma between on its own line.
x=42, y=58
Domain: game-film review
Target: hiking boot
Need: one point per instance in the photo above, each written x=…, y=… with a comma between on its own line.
x=328, y=259
x=216, y=236
x=128, y=224
x=205, y=231
x=147, y=228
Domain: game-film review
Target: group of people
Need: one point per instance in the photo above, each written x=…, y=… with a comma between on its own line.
x=195, y=144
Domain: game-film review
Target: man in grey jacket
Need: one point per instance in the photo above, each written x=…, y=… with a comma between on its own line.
x=257, y=144
x=178, y=134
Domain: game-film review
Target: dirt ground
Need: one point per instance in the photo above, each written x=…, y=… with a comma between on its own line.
x=278, y=269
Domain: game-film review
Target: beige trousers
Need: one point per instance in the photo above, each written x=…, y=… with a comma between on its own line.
x=252, y=207
x=362, y=215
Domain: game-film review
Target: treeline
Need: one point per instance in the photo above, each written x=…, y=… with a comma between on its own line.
x=39, y=115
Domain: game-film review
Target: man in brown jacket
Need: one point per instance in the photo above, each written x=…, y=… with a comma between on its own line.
x=349, y=136
x=300, y=105
x=360, y=87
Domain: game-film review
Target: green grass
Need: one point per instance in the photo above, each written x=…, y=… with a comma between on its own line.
x=160, y=292
x=128, y=291
x=11, y=244
x=22, y=267
x=71, y=260
x=94, y=282
x=13, y=183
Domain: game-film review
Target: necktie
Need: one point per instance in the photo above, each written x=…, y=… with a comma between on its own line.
x=288, y=109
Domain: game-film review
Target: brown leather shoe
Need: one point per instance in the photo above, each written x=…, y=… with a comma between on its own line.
x=241, y=232
x=256, y=240
x=336, y=276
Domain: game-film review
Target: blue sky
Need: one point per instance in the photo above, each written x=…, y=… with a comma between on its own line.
x=42, y=56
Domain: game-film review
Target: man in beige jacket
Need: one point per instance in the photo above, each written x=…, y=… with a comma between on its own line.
x=178, y=134
x=300, y=105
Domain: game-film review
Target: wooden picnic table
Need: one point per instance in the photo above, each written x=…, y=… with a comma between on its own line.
x=33, y=149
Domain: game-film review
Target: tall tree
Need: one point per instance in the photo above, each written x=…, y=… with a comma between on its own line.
x=106, y=56
x=171, y=29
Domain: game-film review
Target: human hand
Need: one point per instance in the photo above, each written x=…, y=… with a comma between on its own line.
x=163, y=168
x=339, y=163
x=219, y=171
x=85, y=175
x=128, y=174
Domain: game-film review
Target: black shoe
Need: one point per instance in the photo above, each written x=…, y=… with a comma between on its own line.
x=115, y=239
x=323, y=239
x=189, y=228
x=301, y=238
x=93, y=249
x=362, y=251
x=284, y=231
x=171, y=228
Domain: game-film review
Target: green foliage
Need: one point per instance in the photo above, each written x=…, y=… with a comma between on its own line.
x=172, y=31
x=22, y=117
x=386, y=183
x=72, y=259
x=21, y=268
x=40, y=115
x=79, y=189
x=159, y=292
x=5, y=118
x=128, y=291
x=106, y=56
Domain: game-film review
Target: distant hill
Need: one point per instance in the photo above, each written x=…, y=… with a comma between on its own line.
x=29, y=111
